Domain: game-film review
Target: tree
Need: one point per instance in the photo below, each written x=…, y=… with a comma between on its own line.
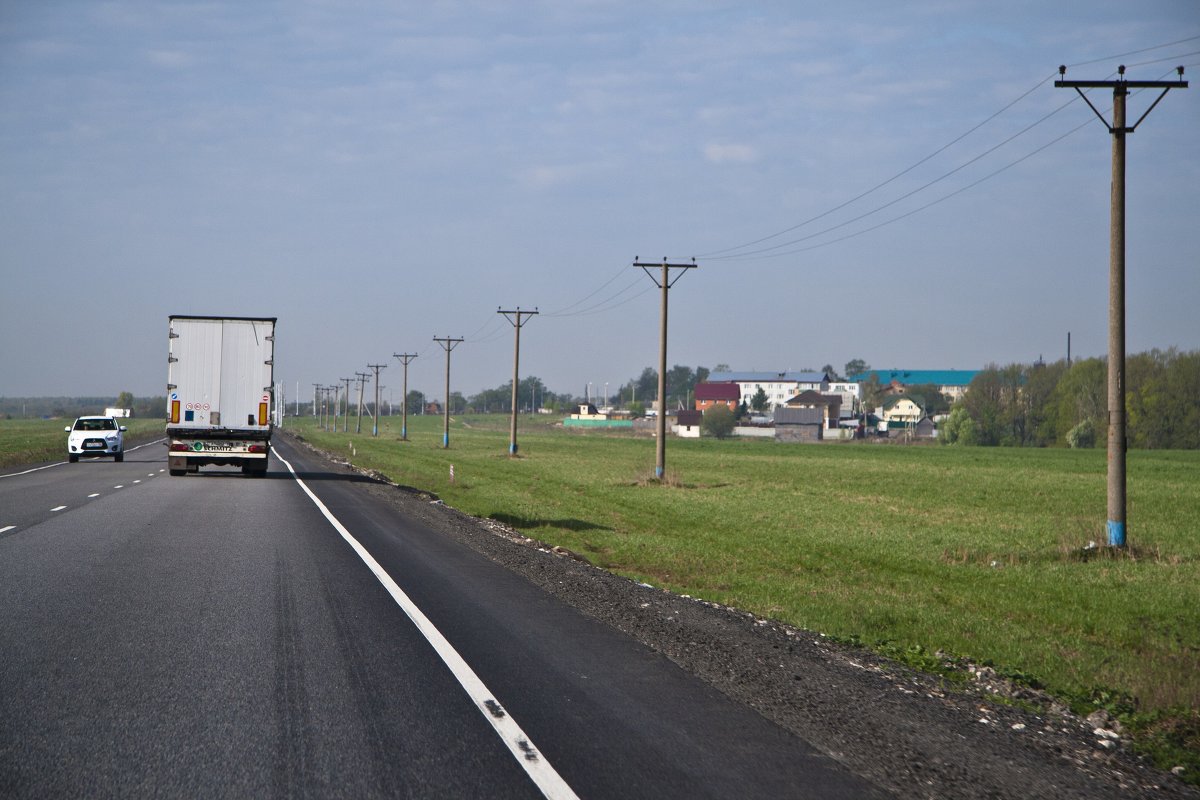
x=125, y=400
x=415, y=402
x=932, y=399
x=856, y=366
x=637, y=410
x=680, y=380
x=984, y=401
x=647, y=385
x=1082, y=436
x=958, y=428
x=872, y=393
x=718, y=421
x=759, y=401
x=722, y=367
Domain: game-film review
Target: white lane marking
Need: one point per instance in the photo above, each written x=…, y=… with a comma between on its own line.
x=139, y=480
x=58, y=508
x=119, y=486
x=534, y=763
x=60, y=463
x=93, y=494
x=150, y=475
x=7, y=528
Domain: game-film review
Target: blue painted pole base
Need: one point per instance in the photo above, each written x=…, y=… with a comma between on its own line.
x=512, y=448
x=445, y=440
x=658, y=472
x=1116, y=534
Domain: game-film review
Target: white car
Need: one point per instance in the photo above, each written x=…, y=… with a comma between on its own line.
x=95, y=436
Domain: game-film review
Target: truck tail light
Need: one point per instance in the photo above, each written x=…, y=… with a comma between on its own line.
x=257, y=448
x=174, y=411
x=262, y=413
x=178, y=447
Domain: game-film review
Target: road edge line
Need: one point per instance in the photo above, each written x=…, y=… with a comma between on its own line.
x=544, y=776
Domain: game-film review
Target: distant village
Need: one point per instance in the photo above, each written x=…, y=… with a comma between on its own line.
x=808, y=406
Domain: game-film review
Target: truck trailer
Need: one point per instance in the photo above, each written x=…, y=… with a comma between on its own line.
x=220, y=392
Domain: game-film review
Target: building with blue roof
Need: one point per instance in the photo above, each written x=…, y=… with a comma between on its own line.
x=951, y=382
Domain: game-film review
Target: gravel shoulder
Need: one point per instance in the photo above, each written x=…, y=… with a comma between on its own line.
x=909, y=732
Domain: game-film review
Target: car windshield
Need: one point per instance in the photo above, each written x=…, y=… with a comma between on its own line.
x=95, y=425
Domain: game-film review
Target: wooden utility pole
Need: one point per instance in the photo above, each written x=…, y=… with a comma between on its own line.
x=448, y=344
x=346, y=419
x=1116, y=280
x=514, y=318
x=362, y=382
x=375, y=418
x=405, y=359
x=664, y=283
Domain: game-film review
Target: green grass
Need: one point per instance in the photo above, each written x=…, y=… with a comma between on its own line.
x=32, y=441
x=977, y=552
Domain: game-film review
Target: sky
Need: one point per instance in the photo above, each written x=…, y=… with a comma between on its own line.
x=894, y=182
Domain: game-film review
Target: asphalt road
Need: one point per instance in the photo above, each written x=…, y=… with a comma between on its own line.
x=223, y=636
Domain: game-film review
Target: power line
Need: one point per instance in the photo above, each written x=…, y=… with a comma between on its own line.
x=902, y=197
x=1133, y=52
x=724, y=253
x=882, y=184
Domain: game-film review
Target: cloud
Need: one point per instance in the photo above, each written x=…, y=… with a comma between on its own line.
x=171, y=59
x=730, y=153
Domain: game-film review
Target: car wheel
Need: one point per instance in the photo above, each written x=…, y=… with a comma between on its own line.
x=72, y=457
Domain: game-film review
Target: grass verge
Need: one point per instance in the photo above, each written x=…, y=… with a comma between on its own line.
x=33, y=441
x=994, y=556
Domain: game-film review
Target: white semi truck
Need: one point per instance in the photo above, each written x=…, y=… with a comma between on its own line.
x=220, y=392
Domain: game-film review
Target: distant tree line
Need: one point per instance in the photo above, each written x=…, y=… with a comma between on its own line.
x=71, y=407
x=1043, y=405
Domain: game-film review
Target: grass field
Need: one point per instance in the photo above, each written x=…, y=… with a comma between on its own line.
x=32, y=441
x=979, y=553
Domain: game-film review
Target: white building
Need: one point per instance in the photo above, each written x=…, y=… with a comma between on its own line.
x=778, y=386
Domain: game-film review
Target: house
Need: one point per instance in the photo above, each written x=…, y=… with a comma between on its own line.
x=830, y=405
x=901, y=410
x=851, y=394
x=586, y=416
x=588, y=411
x=951, y=382
x=709, y=393
x=687, y=423
x=799, y=424
x=779, y=387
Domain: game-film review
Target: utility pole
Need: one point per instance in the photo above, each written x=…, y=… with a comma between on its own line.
x=362, y=381
x=514, y=318
x=375, y=419
x=1116, y=279
x=346, y=419
x=337, y=402
x=316, y=388
x=447, y=344
x=664, y=283
x=405, y=359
